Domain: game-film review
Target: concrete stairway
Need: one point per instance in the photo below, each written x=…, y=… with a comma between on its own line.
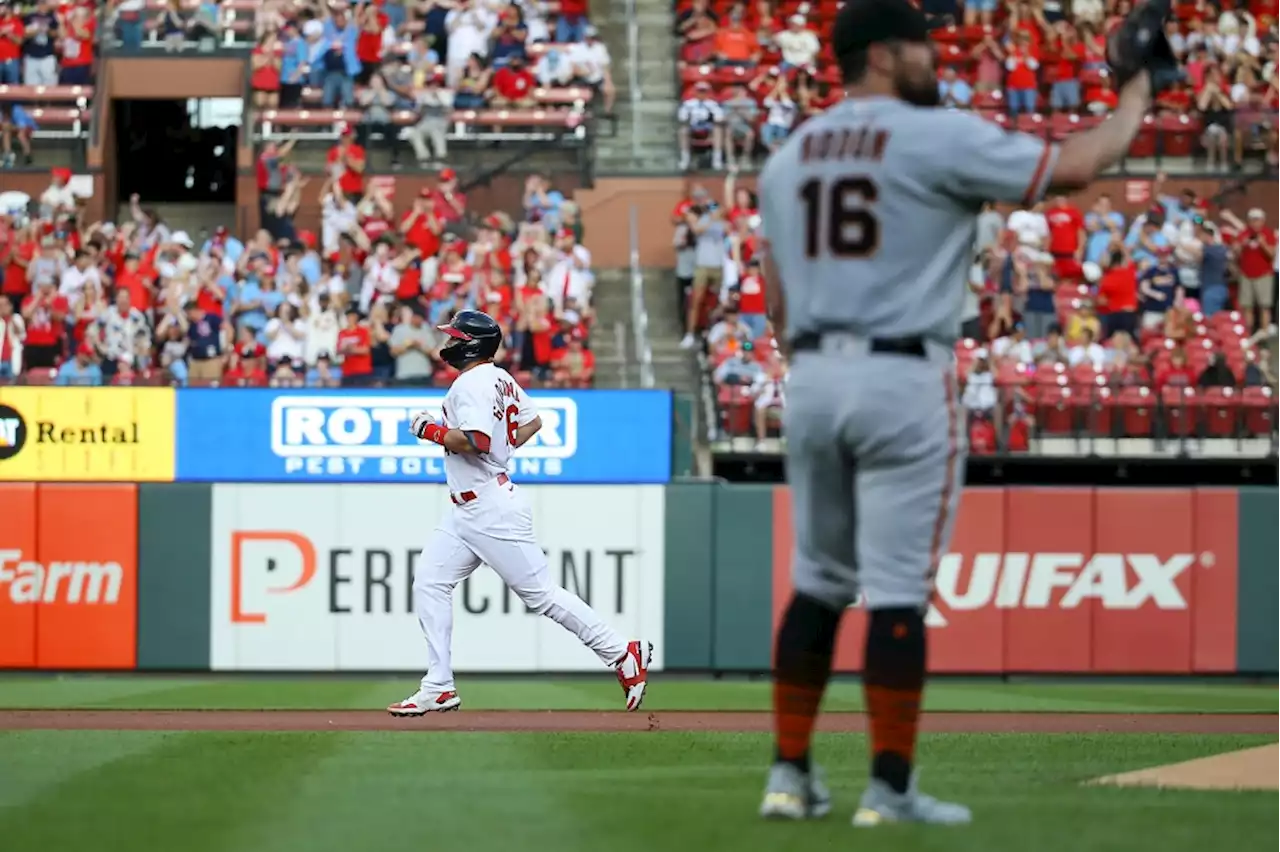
x=646, y=137
x=617, y=364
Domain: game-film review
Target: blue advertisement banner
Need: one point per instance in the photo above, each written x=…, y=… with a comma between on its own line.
x=268, y=435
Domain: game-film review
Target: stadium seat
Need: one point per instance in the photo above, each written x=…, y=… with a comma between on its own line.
x=1136, y=406
x=1181, y=406
x=1054, y=410
x=1259, y=408
x=1221, y=412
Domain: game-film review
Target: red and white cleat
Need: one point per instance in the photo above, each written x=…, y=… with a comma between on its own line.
x=421, y=703
x=633, y=672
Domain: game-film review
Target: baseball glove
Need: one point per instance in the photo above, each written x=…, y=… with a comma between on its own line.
x=1139, y=43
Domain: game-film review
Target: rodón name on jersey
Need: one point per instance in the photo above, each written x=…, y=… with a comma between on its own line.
x=870, y=211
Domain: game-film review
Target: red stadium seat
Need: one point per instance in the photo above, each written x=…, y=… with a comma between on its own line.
x=1144, y=144
x=1054, y=410
x=1093, y=409
x=1221, y=411
x=1137, y=411
x=1181, y=406
x=1259, y=406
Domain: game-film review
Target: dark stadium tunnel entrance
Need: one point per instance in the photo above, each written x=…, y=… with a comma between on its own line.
x=178, y=157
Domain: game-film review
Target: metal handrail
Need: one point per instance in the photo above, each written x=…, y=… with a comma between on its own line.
x=633, y=74
x=639, y=314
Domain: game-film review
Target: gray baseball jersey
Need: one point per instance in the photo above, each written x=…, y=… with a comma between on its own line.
x=871, y=212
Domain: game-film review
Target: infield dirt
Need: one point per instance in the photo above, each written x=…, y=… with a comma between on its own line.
x=588, y=721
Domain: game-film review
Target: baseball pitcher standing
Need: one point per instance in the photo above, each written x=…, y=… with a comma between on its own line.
x=869, y=216
x=487, y=416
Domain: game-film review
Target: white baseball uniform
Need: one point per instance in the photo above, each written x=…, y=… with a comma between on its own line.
x=491, y=523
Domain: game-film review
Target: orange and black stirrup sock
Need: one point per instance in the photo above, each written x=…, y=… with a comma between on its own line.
x=805, y=645
x=893, y=681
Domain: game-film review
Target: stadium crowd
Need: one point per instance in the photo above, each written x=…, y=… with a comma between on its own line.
x=1068, y=313
x=754, y=69
x=137, y=302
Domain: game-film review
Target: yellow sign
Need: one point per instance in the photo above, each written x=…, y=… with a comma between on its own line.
x=86, y=434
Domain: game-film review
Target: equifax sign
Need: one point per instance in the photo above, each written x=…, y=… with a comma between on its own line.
x=31, y=582
x=1124, y=581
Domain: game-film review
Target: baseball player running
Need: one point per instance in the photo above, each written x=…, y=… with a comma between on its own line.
x=869, y=216
x=487, y=416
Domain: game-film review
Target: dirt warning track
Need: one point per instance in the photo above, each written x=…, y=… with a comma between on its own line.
x=562, y=721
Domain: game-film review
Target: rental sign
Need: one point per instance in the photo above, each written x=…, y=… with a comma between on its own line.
x=1071, y=580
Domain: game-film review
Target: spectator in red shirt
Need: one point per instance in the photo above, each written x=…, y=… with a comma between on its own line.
x=346, y=163
x=369, y=43
x=45, y=314
x=1064, y=96
x=1118, y=296
x=16, y=255
x=751, y=305
x=1176, y=373
x=11, y=37
x=1066, y=236
x=355, y=345
x=513, y=84
x=421, y=226
x=1255, y=250
x=78, y=38
x=247, y=366
x=265, y=60
x=449, y=202
x=1021, y=83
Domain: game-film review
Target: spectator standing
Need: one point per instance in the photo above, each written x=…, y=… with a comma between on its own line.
x=1255, y=254
x=413, y=345
x=1158, y=291
x=286, y=335
x=1118, y=295
x=381, y=278
x=347, y=161
x=979, y=396
x=355, y=346
x=39, y=47
x=1064, y=95
x=697, y=25
x=1021, y=82
x=751, y=299
x=1217, y=111
x=707, y=224
x=781, y=111
x=78, y=48
x=13, y=332
x=372, y=40
x=470, y=24
x=266, y=60
x=1037, y=284
x=338, y=60
x=686, y=244
x=295, y=66
x=1066, y=236
x=1031, y=227
x=125, y=335
x=701, y=116
x=541, y=202
x=173, y=27
x=1215, y=261
x=322, y=326
x=1103, y=227
x=129, y=23
x=204, y=344
x=12, y=36
x=508, y=38
x=44, y=314
x=449, y=202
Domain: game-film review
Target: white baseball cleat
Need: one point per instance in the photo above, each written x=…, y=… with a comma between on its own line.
x=633, y=672
x=421, y=703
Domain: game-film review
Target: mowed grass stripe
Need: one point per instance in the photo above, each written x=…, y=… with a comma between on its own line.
x=189, y=791
x=622, y=792
x=32, y=762
x=219, y=692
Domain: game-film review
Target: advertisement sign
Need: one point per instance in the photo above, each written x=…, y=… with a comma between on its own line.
x=68, y=576
x=320, y=577
x=249, y=435
x=86, y=434
x=1071, y=580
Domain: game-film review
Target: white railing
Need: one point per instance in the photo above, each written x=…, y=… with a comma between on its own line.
x=620, y=340
x=639, y=315
x=633, y=74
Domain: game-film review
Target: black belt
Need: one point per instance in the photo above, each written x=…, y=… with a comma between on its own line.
x=810, y=341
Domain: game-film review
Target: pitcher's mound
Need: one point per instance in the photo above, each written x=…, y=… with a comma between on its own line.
x=1250, y=769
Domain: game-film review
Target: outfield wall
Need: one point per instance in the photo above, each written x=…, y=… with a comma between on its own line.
x=317, y=577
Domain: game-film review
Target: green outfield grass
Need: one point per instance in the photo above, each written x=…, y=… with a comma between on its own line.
x=601, y=693
x=346, y=792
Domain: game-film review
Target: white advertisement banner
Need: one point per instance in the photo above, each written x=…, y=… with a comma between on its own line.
x=320, y=577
